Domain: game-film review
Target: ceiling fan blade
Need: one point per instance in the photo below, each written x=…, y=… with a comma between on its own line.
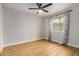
x=45, y=10
x=47, y=5
x=38, y=4
x=34, y=8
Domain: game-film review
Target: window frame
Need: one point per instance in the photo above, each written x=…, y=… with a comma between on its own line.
x=59, y=23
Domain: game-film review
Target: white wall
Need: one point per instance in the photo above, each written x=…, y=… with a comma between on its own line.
x=20, y=26
x=74, y=27
x=46, y=27
x=0, y=27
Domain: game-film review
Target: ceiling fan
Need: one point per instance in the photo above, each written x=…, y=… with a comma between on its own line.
x=40, y=7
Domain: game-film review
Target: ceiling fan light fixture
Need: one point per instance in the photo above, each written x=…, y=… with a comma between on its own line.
x=41, y=8
x=39, y=11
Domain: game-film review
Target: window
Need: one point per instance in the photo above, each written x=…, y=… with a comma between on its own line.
x=61, y=24
x=55, y=24
x=58, y=24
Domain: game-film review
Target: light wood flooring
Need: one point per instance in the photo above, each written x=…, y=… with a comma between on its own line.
x=40, y=48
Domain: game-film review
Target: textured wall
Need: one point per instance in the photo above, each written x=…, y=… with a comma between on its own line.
x=74, y=27
x=0, y=27
x=20, y=26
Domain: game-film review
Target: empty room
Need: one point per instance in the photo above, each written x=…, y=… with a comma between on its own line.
x=39, y=29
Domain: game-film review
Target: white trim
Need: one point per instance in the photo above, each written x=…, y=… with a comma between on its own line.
x=1, y=48
x=20, y=42
x=1, y=39
x=57, y=41
x=69, y=44
x=73, y=45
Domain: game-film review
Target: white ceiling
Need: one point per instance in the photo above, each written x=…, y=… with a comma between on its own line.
x=55, y=7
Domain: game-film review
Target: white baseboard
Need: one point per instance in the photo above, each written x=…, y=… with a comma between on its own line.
x=1, y=49
x=56, y=41
x=20, y=42
x=73, y=45
x=69, y=44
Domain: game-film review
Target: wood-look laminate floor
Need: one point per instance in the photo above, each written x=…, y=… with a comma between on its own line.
x=40, y=48
x=0, y=54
